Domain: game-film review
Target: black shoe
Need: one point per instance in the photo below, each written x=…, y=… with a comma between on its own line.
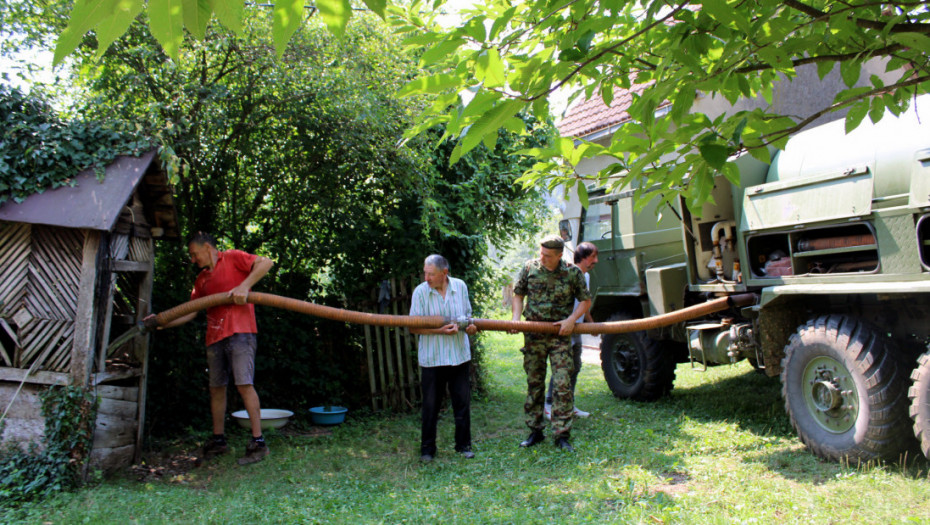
x=213, y=448
x=534, y=438
x=562, y=443
x=255, y=451
x=426, y=458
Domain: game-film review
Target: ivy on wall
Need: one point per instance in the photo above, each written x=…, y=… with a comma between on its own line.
x=40, y=151
x=69, y=413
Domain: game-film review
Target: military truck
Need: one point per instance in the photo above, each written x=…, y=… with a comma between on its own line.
x=833, y=237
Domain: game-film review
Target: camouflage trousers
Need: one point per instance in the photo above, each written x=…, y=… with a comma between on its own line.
x=558, y=350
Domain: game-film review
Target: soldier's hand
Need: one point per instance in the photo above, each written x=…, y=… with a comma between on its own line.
x=450, y=329
x=566, y=326
x=471, y=329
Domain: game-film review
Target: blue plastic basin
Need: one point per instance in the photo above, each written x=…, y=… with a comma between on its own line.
x=333, y=416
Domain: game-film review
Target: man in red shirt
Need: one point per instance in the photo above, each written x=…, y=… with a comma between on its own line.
x=231, y=336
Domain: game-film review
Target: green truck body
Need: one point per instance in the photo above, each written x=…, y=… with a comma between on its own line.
x=834, y=239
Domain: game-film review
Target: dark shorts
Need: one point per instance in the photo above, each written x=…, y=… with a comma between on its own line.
x=233, y=356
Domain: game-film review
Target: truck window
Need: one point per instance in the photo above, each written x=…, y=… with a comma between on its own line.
x=596, y=223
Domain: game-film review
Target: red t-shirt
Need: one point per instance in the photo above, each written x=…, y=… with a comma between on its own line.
x=232, y=267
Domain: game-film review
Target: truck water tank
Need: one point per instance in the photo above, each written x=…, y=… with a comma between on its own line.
x=889, y=149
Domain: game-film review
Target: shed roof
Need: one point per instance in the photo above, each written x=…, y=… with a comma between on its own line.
x=96, y=205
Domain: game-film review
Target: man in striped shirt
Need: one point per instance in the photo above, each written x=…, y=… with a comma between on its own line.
x=444, y=354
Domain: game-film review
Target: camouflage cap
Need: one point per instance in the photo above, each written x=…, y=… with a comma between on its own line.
x=552, y=242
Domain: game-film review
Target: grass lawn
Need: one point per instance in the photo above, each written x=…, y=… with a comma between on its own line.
x=719, y=450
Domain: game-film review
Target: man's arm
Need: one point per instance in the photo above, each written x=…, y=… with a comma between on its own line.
x=516, y=306
x=260, y=267
x=567, y=325
x=177, y=322
x=448, y=329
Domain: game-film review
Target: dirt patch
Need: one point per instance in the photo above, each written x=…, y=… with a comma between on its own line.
x=172, y=467
x=675, y=483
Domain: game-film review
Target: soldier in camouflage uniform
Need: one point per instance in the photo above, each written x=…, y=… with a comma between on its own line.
x=551, y=287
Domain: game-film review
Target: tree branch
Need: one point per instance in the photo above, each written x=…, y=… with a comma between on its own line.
x=908, y=27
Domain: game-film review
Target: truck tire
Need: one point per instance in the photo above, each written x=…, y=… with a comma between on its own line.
x=636, y=367
x=844, y=391
x=920, y=402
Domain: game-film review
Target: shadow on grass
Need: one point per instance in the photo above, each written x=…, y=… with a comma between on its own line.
x=750, y=400
x=804, y=467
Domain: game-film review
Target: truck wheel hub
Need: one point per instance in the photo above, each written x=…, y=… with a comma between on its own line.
x=626, y=363
x=826, y=396
x=830, y=394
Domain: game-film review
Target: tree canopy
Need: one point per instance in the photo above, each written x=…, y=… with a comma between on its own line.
x=515, y=56
x=512, y=56
x=302, y=159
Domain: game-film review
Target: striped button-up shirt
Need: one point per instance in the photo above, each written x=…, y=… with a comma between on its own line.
x=439, y=349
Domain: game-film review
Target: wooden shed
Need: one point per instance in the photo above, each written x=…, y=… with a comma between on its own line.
x=75, y=270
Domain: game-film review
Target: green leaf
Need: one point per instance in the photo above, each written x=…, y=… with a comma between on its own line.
x=877, y=109
x=584, y=43
x=377, y=6
x=856, y=114
x=915, y=41
x=288, y=15
x=475, y=29
x=583, y=194
x=491, y=121
x=440, y=50
x=166, y=21
x=737, y=136
x=514, y=125
x=432, y=84
x=229, y=13
x=197, y=14
x=824, y=68
x=850, y=70
x=335, y=13
x=714, y=154
x=85, y=15
x=489, y=69
x=719, y=10
x=761, y=154
x=490, y=140
x=421, y=39
x=113, y=27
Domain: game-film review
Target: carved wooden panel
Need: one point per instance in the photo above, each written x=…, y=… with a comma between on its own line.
x=39, y=276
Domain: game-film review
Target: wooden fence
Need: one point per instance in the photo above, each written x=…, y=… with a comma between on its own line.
x=393, y=371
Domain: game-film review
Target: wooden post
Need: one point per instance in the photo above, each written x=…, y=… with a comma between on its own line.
x=381, y=366
x=106, y=278
x=82, y=354
x=413, y=349
x=398, y=348
x=369, y=351
x=143, y=308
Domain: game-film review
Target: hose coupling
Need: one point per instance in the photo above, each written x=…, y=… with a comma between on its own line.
x=462, y=321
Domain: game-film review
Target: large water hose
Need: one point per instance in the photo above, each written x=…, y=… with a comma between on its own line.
x=337, y=314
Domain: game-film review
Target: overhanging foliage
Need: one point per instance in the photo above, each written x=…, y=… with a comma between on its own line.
x=514, y=56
